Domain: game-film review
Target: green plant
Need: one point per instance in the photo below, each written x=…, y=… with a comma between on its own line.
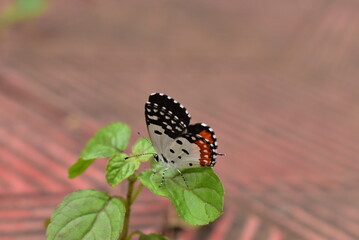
x=18, y=10
x=91, y=214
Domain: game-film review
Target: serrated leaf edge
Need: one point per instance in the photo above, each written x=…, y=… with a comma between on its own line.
x=107, y=198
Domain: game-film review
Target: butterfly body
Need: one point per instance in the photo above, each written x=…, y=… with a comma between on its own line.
x=177, y=143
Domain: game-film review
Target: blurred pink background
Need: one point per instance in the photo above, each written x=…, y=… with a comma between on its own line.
x=277, y=81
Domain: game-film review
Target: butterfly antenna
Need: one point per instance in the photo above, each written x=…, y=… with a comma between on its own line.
x=142, y=153
x=138, y=155
x=139, y=134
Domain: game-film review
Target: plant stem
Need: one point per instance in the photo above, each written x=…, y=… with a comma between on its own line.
x=130, y=198
x=131, y=182
x=138, y=190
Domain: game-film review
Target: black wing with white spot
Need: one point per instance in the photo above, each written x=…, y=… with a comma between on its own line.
x=166, y=120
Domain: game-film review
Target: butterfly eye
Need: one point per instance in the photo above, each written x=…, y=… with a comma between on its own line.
x=156, y=157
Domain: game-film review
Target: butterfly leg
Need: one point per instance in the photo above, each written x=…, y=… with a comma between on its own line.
x=184, y=179
x=157, y=169
x=163, y=177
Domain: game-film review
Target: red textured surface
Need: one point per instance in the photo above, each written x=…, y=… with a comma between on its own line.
x=276, y=81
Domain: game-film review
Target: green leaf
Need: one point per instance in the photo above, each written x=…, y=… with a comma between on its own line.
x=119, y=169
x=107, y=141
x=199, y=203
x=153, y=236
x=79, y=167
x=143, y=146
x=87, y=214
x=47, y=221
x=29, y=5
x=17, y=10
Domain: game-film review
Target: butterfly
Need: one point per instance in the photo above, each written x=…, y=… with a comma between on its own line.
x=178, y=143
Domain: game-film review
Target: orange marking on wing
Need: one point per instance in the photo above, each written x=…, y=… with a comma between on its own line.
x=207, y=135
x=205, y=159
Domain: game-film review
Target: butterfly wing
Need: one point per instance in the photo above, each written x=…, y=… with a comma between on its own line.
x=166, y=120
x=205, y=131
x=177, y=142
x=197, y=147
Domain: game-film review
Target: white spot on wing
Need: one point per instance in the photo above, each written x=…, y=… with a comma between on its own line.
x=152, y=117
